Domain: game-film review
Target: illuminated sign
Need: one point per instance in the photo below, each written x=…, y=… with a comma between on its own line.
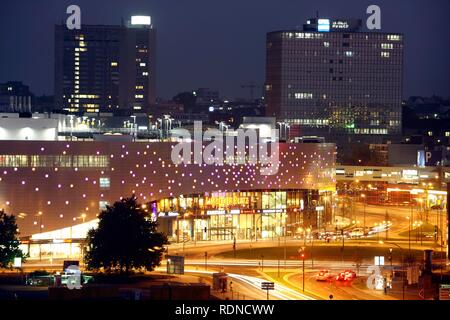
x=235, y=211
x=323, y=25
x=272, y=210
x=17, y=262
x=340, y=24
x=410, y=174
x=215, y=212
x=379, y=260
x=168, y=214
x=140, y=20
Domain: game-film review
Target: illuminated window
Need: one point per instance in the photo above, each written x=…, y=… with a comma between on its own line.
x=326, y=44
x=102, y=205
x=303, y=95
x=62, y=161
x=105, y=183
x=387, y=46
x=114, y=64
x=385, y=54
x=393, y=37
x=142, y=64
x=145, y=73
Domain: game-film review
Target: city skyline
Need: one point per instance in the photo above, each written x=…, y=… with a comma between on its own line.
x=200, y=151
x=237, y=54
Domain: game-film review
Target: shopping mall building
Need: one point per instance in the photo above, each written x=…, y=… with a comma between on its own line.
x=57, y=188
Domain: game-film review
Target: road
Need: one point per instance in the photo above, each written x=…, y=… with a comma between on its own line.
x=247, y=274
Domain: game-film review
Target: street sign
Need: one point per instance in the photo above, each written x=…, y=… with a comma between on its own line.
x=267, y=286
x=444, y=292
x=412, y=275
x=175, y=264
x=17, y=262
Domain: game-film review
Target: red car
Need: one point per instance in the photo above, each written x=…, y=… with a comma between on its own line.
x=347, y=275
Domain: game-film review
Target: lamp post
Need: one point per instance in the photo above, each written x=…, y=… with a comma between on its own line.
x=409, y=233
x=390, y=259
x=41, y=226
x=402, y=264
x=262, y=262
x=302, y=256
x=134, y=127
x=364, y=212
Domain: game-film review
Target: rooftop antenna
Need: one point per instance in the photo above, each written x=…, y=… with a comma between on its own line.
x=317, y=14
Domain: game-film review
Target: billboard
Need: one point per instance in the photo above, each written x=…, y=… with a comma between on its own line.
x=323, y=25
x=428, y=158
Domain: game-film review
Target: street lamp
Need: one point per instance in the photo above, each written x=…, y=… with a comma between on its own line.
x=302, y=256
x=402, y=263
x=134, y=127
x=364, y=212
x=41, y=226
x=409, y=233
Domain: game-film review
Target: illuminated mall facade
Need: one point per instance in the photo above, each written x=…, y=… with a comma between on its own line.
x=57, y=188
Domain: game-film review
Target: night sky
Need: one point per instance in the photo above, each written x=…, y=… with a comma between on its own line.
x=221, y=44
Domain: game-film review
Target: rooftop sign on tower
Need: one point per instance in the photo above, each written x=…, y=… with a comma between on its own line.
x=141, y=20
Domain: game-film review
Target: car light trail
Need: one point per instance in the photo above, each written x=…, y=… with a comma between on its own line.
x=281, y=292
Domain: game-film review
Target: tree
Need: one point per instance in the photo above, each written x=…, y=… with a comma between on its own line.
x=126, y=238
x=9, y=244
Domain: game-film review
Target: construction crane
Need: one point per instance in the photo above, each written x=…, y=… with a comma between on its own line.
x=252, y=87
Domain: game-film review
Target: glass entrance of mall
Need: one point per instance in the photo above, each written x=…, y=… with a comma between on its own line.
x=251, y=215
x=223, y=226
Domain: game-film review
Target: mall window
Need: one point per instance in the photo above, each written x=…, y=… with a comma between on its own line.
x=105, y=182
x=102, y=205
x=63, y=161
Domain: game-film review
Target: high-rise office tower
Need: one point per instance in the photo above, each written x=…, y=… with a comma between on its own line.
x=333, y=80
x=101, y=68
